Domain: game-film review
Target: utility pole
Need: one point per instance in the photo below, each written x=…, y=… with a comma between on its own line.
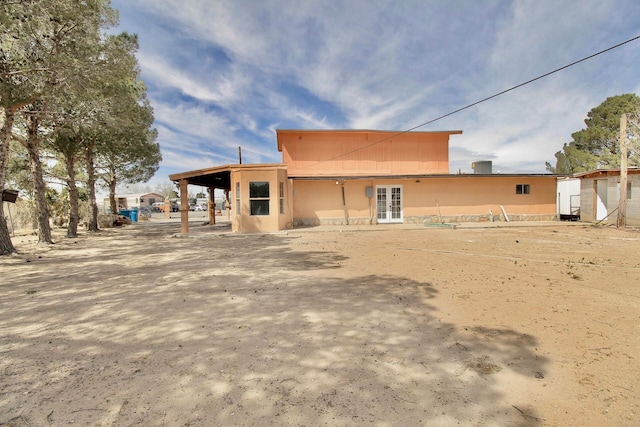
x=239, y=155
x=622, y=203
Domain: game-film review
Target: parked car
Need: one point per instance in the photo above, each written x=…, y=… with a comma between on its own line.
x=199, y=208
x=146, y=211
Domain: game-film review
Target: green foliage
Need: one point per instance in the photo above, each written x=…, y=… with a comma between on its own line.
x=79, y=88
x=127, y=149
x=52, y=196
x=571, y=160
x=59, y=202
x=41, y=44
x=598, y=145
x=49, y=55
x=601, y=138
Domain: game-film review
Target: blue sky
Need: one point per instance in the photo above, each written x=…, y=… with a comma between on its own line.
x=223, y=74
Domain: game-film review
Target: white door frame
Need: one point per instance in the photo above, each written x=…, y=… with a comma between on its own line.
x=389, y=204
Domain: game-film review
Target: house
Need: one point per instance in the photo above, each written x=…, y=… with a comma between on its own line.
x=368, y=177
x=131, y=201
x=600, y=195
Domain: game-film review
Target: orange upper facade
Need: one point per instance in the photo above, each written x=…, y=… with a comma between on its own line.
x=339, y=153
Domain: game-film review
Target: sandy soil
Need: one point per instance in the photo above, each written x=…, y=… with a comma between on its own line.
x=386, y=326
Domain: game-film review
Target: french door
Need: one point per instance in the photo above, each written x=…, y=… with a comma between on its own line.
x=389, y=203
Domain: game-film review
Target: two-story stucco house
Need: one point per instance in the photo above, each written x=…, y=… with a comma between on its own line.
x=368, y=177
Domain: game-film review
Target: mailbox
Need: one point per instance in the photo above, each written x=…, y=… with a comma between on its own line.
x=9, y=196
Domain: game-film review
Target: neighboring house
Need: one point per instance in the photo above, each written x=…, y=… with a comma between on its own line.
x=600, y=195
x=130, y=201
x=369, y=177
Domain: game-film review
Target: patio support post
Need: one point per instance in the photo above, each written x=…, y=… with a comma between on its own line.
x=212, y=206
x=184, y=206
x=227, y=203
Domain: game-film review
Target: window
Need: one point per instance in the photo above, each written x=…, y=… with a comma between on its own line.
x=281, y=194
x=237, y=199
x=259, y=197
x=522, y=188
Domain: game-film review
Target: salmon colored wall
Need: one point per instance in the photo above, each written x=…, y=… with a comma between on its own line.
x=477, y=195
x=321, y=201
x=246, y=223
x=359, y=153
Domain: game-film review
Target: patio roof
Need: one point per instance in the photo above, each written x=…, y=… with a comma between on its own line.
x=218, y=176
x=599, y=173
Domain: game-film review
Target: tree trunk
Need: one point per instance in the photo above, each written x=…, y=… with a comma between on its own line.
x=74, y=216
x=112, y=190
x=6, y=246
x=33, y=148
x=91, y=188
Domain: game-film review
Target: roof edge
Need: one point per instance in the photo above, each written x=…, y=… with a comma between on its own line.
x=603, y=171
x=222, y=168
x=399, y=132
x=392, y=132
x=425, y=176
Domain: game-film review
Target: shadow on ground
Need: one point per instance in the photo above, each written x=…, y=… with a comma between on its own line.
x=239, y=330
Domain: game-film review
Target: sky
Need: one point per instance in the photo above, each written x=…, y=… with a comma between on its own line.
x=223, y=74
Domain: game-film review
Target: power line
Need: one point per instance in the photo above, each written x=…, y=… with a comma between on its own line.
x=523, y=84
x=481, y=101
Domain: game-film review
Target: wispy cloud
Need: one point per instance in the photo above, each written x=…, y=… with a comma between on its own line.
x=225, y=74
x=222, y=90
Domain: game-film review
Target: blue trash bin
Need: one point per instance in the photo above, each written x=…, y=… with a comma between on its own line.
x=134, y=216
x=125, y=212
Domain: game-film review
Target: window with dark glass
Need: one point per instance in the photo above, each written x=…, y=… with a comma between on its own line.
x=522, y=189
x=259, y=197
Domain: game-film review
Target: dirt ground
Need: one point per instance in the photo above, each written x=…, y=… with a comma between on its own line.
x=379, y=326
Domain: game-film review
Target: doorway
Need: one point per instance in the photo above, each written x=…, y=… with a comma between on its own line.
x=601, y=199
x=389, y=204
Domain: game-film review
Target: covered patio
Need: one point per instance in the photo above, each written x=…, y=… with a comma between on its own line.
x=265, y=212
x=218, y=177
